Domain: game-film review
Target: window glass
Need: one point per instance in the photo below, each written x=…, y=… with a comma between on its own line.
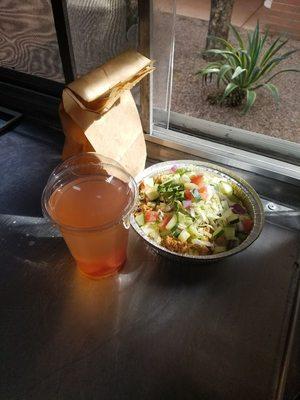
x=28, y=41
x=162, y=52
x=192, y=97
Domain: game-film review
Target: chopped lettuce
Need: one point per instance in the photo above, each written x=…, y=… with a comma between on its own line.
x=192, y=211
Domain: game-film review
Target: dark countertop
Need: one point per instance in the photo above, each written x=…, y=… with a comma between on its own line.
x=156, y=331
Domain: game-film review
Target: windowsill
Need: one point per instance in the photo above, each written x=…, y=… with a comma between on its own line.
x=273, y=147
x=226, y=155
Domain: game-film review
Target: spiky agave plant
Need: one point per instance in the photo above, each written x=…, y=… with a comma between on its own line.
x=246, y=67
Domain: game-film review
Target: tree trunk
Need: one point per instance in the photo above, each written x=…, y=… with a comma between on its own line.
x=220, y=17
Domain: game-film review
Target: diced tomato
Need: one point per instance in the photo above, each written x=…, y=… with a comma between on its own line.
x=165, y=221
x=203, y=192
x=248, y=225
x=188, y=194
x=197, y=180
x=151, y=216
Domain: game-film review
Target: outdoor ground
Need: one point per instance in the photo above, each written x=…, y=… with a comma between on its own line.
x=190, y=97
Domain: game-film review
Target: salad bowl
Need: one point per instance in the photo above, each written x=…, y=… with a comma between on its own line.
x=241, y=189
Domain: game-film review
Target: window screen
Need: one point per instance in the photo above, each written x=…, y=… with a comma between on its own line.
x=101, y=29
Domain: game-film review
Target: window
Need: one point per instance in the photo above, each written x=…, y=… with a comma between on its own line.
x=45, y=43
x=183, y=103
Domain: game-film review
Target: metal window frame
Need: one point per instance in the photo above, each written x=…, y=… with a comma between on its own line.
x=172, y=143
x=31, y=82
x=144, y=46
x=63, y=33
x=231, y=136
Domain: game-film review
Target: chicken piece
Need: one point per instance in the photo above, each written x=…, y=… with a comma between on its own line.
x=145, y=208
x=142, y=186
x=180, y=247
x=175, y=245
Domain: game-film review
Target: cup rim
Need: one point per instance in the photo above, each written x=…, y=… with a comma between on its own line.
x=63, y=165
x=57, y=173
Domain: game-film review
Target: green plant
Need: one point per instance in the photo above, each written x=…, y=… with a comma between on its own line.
x=246, y=67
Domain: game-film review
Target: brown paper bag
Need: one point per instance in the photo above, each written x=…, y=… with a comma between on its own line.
x=98, y=112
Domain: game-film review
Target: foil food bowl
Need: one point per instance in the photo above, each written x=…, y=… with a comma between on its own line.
x=241, y=189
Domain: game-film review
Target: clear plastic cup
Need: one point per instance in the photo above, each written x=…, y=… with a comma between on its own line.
x=90, y=198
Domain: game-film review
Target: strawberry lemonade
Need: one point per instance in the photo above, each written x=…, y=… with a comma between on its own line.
x=91, y=211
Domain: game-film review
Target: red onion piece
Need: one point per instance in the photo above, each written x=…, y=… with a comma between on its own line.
x=187, y=203
x=238, y=209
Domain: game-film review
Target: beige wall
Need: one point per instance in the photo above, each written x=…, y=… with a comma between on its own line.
x=284, y=17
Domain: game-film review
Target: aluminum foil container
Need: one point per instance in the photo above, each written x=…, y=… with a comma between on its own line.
x=241, y=189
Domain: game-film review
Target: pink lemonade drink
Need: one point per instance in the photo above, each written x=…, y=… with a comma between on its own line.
x=91, y=205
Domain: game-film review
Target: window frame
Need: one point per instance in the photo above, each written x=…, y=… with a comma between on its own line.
x=280, y=149
x=193, y=136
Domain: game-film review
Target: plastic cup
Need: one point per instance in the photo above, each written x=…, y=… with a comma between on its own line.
x=90, y=198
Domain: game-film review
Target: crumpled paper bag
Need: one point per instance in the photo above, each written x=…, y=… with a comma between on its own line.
x=98, y=112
